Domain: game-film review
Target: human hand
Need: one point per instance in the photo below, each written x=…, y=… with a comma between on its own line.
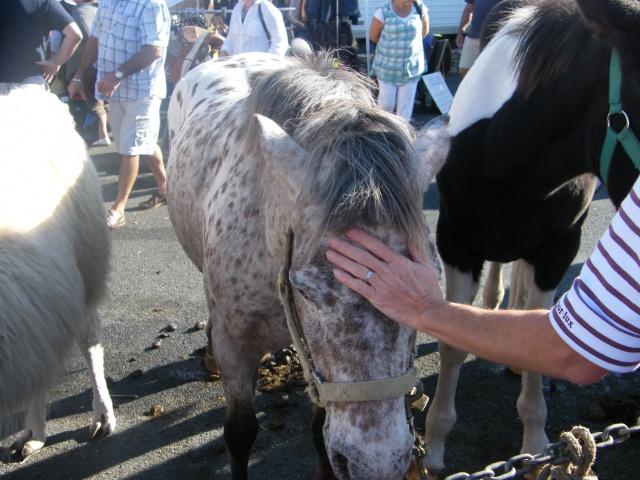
x=108, y=85
x=403, y=289
x=49, y=69
x=76, y=88
x=459, y=39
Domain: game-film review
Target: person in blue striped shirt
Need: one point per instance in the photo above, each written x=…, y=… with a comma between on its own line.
x=129, y=42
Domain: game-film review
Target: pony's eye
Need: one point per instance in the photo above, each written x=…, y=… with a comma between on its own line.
x=304, y=295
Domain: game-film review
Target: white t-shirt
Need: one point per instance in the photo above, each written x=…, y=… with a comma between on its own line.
x=249, y=35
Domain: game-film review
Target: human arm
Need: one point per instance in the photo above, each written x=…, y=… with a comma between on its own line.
x=425, y=25
x=275, y=24
x=71, y=38
x=465, y=20
x=89, y=57
x=408, y=292
x=376, y=27
x=424, y=17
x=145, y=57
x=228, y=46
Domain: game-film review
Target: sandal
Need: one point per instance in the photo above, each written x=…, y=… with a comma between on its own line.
x=156, y=200
x=115, y=219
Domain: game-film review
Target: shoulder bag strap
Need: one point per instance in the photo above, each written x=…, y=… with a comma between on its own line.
x=264, y=25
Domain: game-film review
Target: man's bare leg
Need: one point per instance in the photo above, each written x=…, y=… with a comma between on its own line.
x=126, y=178
x=156, y=165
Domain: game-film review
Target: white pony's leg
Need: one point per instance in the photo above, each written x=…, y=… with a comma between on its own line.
x=441, y=417
x=493, y=291
x=33, y=436
x=104, y=420
x=532, y=407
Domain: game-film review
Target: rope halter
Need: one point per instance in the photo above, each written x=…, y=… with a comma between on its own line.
x=320, y=391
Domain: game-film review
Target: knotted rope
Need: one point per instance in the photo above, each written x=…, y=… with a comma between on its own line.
x=582, y=457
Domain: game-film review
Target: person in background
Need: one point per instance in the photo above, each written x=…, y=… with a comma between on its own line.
x=594, y=327
x=83, y=14
x=298, y=18
x=129, y=42
x=471, y=21
x=24, y=36
x=255, y=26
x=398, y=28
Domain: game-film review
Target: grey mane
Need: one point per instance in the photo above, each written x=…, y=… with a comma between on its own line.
x=373, y=167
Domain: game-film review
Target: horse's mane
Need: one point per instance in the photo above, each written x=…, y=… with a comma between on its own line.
x=331, y=113
x=555, y=39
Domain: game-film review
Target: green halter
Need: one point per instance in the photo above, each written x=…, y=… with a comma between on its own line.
x=626, y=137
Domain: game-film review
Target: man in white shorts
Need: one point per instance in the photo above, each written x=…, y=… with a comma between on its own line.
x=473, y=15
x=129, y=41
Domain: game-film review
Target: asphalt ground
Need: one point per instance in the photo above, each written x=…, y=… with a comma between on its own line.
x=170, y=412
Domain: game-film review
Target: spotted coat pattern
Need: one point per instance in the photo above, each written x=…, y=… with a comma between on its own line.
x=259, y=145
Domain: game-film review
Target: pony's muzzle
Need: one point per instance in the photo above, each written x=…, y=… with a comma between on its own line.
x=364, y=446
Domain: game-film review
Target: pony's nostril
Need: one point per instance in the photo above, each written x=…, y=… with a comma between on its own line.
x=340, y=464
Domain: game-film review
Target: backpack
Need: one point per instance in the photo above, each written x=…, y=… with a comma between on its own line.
x=324, y=38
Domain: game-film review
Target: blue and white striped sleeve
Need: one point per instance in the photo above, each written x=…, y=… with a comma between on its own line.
x=155, y=24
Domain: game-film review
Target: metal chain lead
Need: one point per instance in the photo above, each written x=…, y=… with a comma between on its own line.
x=554, y=453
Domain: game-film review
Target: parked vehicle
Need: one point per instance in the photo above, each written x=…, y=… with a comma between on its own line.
x=444, y=16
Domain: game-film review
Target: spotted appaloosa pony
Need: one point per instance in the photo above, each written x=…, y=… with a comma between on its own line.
x=259, y=145
x=55, y=251
x=528, y=124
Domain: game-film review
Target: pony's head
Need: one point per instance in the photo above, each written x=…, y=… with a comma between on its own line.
x=342, y=164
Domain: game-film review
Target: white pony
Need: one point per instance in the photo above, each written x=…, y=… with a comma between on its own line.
x=55, y=251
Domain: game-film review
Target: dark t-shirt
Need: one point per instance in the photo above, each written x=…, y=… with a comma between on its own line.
x=481, y=9
x=24, y=35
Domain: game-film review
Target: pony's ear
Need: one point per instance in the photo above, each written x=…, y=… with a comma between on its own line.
x=286, y=158
x=432, y=146
x=608, y=18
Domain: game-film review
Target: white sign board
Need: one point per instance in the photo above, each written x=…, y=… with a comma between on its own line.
x=439, y=91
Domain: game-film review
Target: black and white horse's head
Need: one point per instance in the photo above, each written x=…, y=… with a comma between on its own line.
x=550, y=59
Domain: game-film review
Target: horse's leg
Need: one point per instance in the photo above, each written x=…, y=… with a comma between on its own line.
x=104, y=420
x=238, y=360
x=461, y=288
x=493, y=291
x=531, y=405
x=33, y=436
x=325, y=472
x=517, y=293
x=518, y=287
x=209, y=358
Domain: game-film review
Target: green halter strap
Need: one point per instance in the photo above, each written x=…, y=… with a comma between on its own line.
x=626, y=137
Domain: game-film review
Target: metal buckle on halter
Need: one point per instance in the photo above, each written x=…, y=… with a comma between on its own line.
x=620, y=128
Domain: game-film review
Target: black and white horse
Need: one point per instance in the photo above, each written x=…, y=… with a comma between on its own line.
x=528, y=127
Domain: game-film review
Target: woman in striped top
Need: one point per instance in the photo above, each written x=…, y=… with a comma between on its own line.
x=593, y=329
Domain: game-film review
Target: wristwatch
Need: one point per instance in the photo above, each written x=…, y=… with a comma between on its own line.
x=119, y=75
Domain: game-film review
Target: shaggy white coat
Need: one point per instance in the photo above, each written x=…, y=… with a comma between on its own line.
x=55, y=252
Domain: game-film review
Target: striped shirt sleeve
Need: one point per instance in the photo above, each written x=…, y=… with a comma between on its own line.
x=599, y=317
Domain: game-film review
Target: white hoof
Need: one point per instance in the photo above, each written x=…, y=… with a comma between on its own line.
x=103, y=425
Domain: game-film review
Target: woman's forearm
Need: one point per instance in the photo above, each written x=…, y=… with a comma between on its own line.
x=519, y=338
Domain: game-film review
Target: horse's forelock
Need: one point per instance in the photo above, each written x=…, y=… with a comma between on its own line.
x=372, y=178
x=362, y=167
